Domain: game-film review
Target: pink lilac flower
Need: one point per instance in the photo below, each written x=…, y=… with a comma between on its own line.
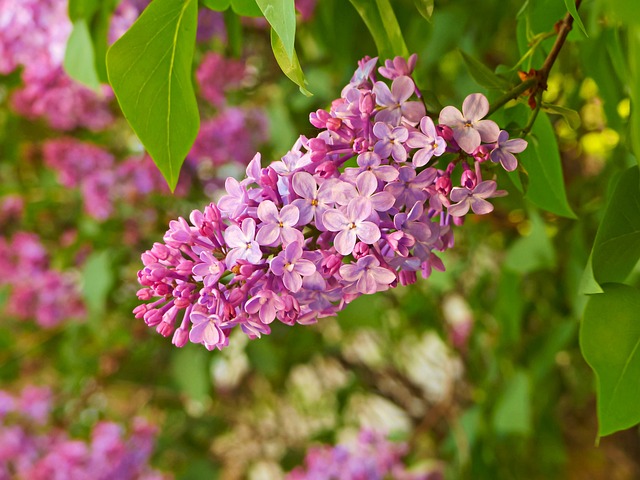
x=290, y=265
x=370, y=457
x=391, y=141
x=351, y=225
x=298, y=239
x=474, y=198
x=469, y=130
x=217, y=74
x=366, y=276
x=504, y=150
x=430, y=144
x=242, y=242
x=395, y=104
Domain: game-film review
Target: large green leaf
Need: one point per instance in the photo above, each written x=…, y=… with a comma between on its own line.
x=541, y=160
x=610, y=343
x=616, y=248
x=290, y=67
x=381, y=21
x=246, y=8
x=150, y=72
x=79, y=58
x=281, y=15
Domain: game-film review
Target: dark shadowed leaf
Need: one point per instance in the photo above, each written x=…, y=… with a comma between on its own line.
x=610, y=343
x=541, y=160
x=381, y=21
x=482, y=74
x=513, y=408
x=150, y=72
x=217, y=5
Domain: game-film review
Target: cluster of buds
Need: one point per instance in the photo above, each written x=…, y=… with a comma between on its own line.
x=364, y=206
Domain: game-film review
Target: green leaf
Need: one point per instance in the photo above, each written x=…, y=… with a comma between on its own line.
x=571, y=116
x=542, y=162
x=217, y=5
x=482, y=74
x=610, y=343
x=291, y=68
x=150, y=72
x=588, y=283
x=97, y=280
x=513, y=408
x=79, y=59
x=246, y=8
x=190, y=371
x=533, y=252
x=82, y=9
x=383, y=26
x=281, y=15
x=616, y=249
x=425, y=8
x=571, y=8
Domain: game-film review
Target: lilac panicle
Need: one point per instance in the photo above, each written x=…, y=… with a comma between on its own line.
x=362, y=207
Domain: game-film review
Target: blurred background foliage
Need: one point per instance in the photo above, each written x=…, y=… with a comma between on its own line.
x=478, y=368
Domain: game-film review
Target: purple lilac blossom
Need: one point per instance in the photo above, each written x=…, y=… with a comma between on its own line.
x=370, y=457
x=47, y=452
x=504, y=150
x=469, y=130
x=300, y=238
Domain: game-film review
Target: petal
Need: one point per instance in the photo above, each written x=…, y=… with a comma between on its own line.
x=268, y=234
x=383, y=275
x=382, y=201
x=268, y=212
x=277, y=265
x=292, y=281
x=428, y=128
x=459, y=209
x=485, y=189
x=368, y=232
x=381, y=130
x=304, y=185
x=383, y=148
x=459, y=193
x=418, y=140
x=504, y=158
x=289, y=215
x=212, y=334
x=451, y=116
x=253, y=254
x=249, y=229
x=233, y=236
x=386, y=173
x=402, y=88
x=336, y=191
x=422, y=157
x=350, y=272
x=345, y=241
x=367, y=183
x=488, y=130
x=399, y=153
x=413, y=111
x=516, y=145
x=334, y=220
x=267, y=312
x=480, y=206
x=391, y=115
x=468, y=138
x=475, y=107
x=366, y=284
x=383, y=94
x=305, y=267
x=196, y=334
x=291, y=235
x=306, y=210
x=358, y=209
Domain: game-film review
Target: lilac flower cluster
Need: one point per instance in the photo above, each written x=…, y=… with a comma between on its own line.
x=36, y=290
x=360, y=208
x=93, y=170
x=373, y=457
x=31, y=448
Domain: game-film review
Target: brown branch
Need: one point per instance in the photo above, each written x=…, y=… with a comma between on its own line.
x=535, y=82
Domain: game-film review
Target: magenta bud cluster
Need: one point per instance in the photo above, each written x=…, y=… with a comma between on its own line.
x=364, y=206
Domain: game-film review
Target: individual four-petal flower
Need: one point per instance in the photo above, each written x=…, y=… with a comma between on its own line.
x=469, y=130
